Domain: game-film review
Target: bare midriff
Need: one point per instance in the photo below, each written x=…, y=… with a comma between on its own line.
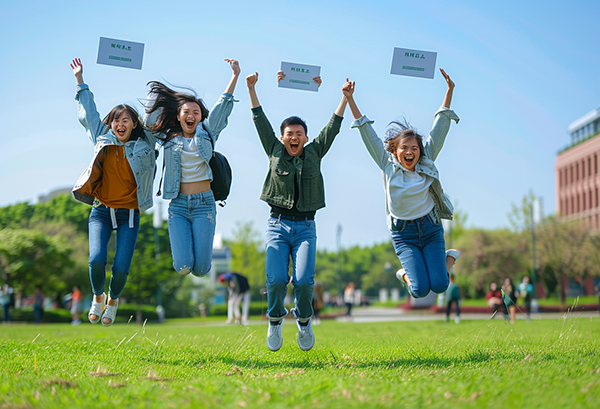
x=192, y=188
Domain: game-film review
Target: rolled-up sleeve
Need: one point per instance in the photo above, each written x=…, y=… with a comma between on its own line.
x=437, y=136
x=218, y=116
x=372, y=142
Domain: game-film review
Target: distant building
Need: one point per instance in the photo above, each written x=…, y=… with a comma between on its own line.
x=53, y=194
x=576, y=172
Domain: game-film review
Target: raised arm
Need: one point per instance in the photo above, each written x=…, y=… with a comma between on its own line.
x=251, y=81
x=77, y=70
x=86, y=107
x=235, y=67
x=348, y=91
x=449, y=91
x=441, y=124
x=372, y=142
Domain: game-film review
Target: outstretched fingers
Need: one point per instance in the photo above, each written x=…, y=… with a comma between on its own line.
x=234, y=64
x=450, y=83
x=318, y=80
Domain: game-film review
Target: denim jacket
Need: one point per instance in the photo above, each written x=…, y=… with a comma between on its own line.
x=391, y=168
x=279, y=185
x=139, y=153
x=215, y=123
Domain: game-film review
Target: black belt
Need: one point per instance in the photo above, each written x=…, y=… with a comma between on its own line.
x=291, y=218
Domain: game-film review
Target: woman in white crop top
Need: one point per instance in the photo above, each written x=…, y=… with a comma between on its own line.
x=189, y=132
x=415, y=201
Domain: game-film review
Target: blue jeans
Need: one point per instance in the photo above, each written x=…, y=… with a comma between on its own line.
x=192, y=231
x=420, y=246
x=100, y=228
x=297, y=239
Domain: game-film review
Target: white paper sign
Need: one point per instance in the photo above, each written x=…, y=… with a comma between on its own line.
x=300, y=76
x=120, y=53
x=414, y=63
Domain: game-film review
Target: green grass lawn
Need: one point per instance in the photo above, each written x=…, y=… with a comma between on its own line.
x=545, y=363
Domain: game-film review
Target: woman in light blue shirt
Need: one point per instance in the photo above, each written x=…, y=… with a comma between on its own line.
x=189, y=132
x=415, y=201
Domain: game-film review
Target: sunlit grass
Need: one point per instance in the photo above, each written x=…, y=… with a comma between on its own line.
x=544, y=363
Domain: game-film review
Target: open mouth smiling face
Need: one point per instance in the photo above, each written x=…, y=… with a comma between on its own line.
x=189, y=117
x=122, y=127
x=294, y=138
x=408, y=153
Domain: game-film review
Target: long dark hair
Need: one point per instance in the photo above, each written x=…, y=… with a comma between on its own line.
x=171, y=102
x=399, y=130
x=116, y=112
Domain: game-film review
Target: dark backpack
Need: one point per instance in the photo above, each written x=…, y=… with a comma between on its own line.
x=221, y=183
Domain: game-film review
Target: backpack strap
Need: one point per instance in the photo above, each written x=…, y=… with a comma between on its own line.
x=162, y=172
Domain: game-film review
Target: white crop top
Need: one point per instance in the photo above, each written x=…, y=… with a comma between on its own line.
x=193, y=167
x=409, y=194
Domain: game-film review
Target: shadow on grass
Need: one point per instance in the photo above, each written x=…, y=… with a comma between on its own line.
x=323, y=360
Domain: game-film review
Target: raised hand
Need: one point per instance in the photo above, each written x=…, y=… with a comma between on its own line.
x=348, y=88
x=251, y=80
x=449, y=91
x=280, y=76
x=235, y=66
x=318, y=80
x=447, y=78
x=77, y=67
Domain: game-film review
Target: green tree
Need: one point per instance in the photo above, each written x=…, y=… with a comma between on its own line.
x=563, y=251
x=490, y=255
x=248, y=256
x=30, y=258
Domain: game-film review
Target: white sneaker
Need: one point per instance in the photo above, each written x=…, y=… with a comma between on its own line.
x=306, y=338
x=457, y=319
x=274, y=338
x=400, y=275
x=455, y=254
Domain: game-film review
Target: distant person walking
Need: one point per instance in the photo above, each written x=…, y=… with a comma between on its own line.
x=510, y=298
x=494, y=298
x=38, y=305
x=6, y=301
x=349, y=299
x=526, y=293
x=75, y=306
x=453, y=297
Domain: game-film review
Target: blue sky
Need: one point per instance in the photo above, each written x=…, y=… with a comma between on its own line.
x=524, y=71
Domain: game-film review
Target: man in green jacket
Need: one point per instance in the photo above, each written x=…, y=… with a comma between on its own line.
x=294, y=190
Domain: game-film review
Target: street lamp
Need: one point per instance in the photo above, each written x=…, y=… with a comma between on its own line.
x=535, y=218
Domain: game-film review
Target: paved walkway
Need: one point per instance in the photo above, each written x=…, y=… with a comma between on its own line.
x=374, y=314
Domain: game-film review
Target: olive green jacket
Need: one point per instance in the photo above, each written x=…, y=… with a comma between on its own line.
x=284, y=169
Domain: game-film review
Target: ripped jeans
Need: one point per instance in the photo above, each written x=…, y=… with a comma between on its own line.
x=420, y=246
x=296, y=240
x=191, y=223
x=101, y=225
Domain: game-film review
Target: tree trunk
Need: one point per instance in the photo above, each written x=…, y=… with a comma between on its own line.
x=562, y=292
x=138, y=315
